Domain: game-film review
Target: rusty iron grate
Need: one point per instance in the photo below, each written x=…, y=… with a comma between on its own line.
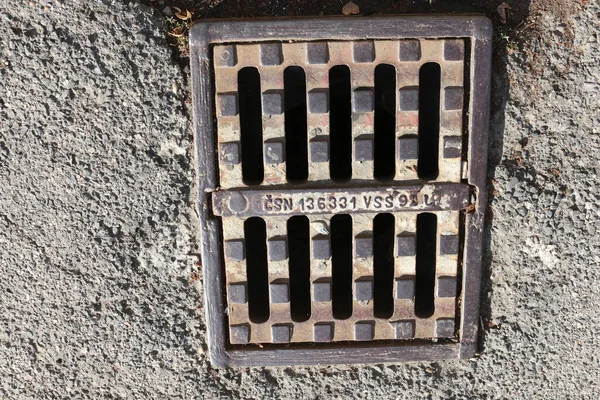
x=341, y=168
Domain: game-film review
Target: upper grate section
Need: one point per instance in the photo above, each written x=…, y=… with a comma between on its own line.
x=316, y=60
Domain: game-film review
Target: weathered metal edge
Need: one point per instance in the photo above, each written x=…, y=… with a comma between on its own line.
x=358, y=354
x=481, y=59
x=205, y=33
x=341, y=28
x=206, y=172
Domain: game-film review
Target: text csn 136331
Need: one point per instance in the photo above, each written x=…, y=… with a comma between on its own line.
x=348, y=202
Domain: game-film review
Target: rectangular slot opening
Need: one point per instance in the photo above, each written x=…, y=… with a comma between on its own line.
x=466, y=100
x=429, y=120
x=383, y=265
x=250, y=110
x=341, y=265
x=385, y=122
x=426, y=265
x=461, y=254
x=255, y=235
x=340, y=123
x=298, y=231
x=296, y=145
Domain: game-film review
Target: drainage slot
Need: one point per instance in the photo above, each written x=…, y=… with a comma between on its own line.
x=383, y=265
x=429, y=120
x=299, y=267
x=425, y=268
x=385, y=122
x=341, y=264
x=296, y=146
x=251, y=125
x=255, y=234
x=340, y=123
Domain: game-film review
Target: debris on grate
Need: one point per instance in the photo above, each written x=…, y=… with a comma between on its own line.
x=342, y=187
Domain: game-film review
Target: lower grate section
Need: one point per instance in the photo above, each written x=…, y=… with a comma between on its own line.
x=329, y=294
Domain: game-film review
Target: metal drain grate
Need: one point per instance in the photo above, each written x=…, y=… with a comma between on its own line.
x=342, y=169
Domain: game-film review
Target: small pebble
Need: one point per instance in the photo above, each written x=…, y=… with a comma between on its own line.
x=350, y=9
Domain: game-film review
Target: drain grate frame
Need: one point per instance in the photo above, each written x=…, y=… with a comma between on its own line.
x=204, y=36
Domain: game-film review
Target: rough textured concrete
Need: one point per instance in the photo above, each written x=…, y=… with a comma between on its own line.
x=98, y=295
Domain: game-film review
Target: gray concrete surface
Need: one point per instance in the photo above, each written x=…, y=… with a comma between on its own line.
x=99, y=293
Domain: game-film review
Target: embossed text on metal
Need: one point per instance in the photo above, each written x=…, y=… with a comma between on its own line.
x=435, y=197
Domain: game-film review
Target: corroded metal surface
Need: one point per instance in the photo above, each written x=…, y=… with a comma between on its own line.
x=317, y=58
x=410, y=198
x=362, y=325
x=220, y=49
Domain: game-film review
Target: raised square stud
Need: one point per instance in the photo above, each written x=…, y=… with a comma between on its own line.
x=319, y=150
x=274, y=153
x=240, y=334
x=446, y=286
x=406, y=246
x=363, y=246
x=405, y=288
x=453, y=98
x=409, y=99
x=363, y=100
x=404, y=329
x=364, y=51
x=317, y=53
x=452, y=146
x=408, y=148
x=363, y=290
x=321, y=249
x=323, y=332
x=410, y=50
x=238, y=293
x=444, y=327
x=227, y=104
x=364, y=330
x=448, y=244
x=272, y=103
x=454, y=50
x=318, y=101
x=235, y=250
x=322, y=291
x=281, y=333
x=363, y=149
x=230, y=153
x=225, y=56
x=271, y=54
x=278, y=249
x=280, y=293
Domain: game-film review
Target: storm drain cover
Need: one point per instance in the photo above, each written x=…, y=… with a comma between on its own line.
x=341, y=167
